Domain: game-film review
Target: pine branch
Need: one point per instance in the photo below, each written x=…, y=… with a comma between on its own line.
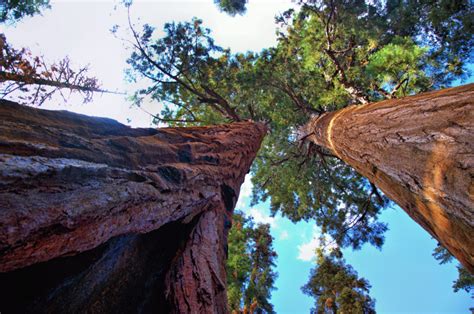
x=28, y=80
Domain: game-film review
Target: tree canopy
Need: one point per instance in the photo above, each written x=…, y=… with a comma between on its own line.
x=465, y=280
x=330, y=54
x=14, y=10
x=250, y=274
x=232, y=7
x=337, y=288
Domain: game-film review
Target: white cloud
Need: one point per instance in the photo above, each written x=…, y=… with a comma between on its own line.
x=245, y=192
x=241, y=203
x=283, y=235
x=260, y=217
x=246, y=188
x=307, y=251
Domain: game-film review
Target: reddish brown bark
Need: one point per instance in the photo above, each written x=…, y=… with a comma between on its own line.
x=419, y=151
x=139, y=211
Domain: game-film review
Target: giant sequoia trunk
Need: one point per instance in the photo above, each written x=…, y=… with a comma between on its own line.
x=98, y=217
x=419, y=151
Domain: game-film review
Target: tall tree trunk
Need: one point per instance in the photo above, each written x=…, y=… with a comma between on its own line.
x=98, y=217
x=419, y=151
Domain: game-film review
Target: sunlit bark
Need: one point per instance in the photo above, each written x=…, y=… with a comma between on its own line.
x=419, y=151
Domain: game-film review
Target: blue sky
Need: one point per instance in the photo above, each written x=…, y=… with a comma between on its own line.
x=405, y=277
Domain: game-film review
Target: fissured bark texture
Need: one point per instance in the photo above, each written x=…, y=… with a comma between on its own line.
x=419, y=151
x=99, y=217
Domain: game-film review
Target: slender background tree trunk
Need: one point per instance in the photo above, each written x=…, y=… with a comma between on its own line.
x=419, y=151
x=96, y=216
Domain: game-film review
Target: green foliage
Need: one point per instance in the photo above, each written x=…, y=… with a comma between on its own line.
x=337, y=288
x=331, y=193
x=250, y=275
x=442, y=255
x=14, y=10
x=465, y=280
x=188, y=70
x=444, y=26
x=398, y=62
x=330, y=54
x=231, y=7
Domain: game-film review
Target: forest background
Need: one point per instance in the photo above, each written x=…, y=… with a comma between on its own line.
x=404, y=276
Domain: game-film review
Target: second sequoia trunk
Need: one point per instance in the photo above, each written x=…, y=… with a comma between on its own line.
x=419, y=151
x=98, y=217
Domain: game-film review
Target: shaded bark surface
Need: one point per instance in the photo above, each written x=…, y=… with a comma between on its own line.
x=419, y=151
x=124, y=275
x=99, y=217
